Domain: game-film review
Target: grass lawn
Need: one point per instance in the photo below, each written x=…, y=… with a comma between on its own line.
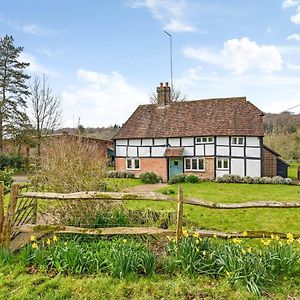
x=280, y=220
x=15, y=283
x=119, y=184
x=293, y=170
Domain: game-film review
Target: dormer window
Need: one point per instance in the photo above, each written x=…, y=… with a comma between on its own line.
x=204, y=140
x=238, y=141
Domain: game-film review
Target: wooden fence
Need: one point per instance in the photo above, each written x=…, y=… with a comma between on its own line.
x=21, y=214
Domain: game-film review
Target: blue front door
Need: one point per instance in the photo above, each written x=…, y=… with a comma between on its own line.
x=175, y=167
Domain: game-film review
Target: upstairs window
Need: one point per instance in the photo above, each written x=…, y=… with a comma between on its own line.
x=204, y=139
x=239, y=141
x=194, y=164
x=222, y=164
x=133, y=164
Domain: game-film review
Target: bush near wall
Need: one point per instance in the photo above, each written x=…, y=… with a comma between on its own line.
x=179, y=178
x=150, y=178
x=13, y=161
x=228, y=178
x=120, y=174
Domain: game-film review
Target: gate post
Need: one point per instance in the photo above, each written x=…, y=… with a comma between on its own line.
x=179, y=214
x=8, y=220
x=1, y=210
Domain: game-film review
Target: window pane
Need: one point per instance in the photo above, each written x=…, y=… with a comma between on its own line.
x=204, y=140
x=241, y=141
x=194, y=164
x=201, y=164
x=225, y=163
x=198, y=140
x=210, y=139
x=188, y=164
x=136, y=163
x=129, y=164
x=234, y=141
x=219, y=163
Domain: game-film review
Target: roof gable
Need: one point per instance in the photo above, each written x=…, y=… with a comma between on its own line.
x=225, y=116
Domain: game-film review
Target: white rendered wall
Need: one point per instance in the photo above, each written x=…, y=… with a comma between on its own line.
x=237, y=167
x=174, y=142
x=253, y=152
x=121, y=142
x=237, y=151
x=222, y=140
x=120, y=151
x=134, y=142
x=147, y=142
x=209, y=149
x=158, y=151
x=144, y=151
x=252, y=141
x=186, y=141
x=253, y=167
x=199, y=150
x=188, y=151
x=222, y=151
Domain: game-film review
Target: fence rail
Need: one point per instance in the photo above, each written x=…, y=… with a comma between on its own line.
x=21, y=215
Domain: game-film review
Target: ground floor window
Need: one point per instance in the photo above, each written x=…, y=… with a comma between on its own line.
x=132, y=163
x=222, y=164
x=194, y=164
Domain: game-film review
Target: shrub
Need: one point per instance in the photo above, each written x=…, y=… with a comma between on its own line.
x=17, y=162
x=278, y=180
x=248, y=179
x=192, y=179
x=265, y=180
x=150, y=178
x=179, y=178
x=168, y=192
x=119, y=174
x=68, y=165
x=6, y=175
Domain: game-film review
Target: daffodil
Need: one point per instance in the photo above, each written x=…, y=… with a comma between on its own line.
x=215, y=236
x=48, y=242
x=290, y=236
x=185, y=233
x=245, y=233
x=55, y=239
x=244, y=251
x=204, y=252
x=33, y=238
x=197, y=242
x=196, y=235
x=266, y=242
x=65, y=243
x=237, y=241
x=34, y=245
x=249, y=250
x=124, y=241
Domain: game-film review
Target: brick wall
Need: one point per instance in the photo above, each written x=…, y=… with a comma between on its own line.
x=269, y=163
x=156, y=165
x=209, y=172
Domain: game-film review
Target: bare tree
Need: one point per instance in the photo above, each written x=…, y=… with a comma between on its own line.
x=176, y=96
x=46, y=110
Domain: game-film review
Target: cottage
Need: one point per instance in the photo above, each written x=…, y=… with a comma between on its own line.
x=208, y=138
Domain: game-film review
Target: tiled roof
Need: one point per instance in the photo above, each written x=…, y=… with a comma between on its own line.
x=225, y=116
x=174, y=152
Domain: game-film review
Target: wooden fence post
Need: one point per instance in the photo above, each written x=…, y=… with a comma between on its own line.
x=179, y=214
x=1, y=209
x=8, y=220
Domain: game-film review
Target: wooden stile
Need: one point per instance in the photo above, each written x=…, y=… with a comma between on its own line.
x=179, y=214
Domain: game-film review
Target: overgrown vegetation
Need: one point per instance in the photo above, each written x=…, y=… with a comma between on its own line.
x=6, y=176
x=120, y=174
x=180, y=178
x=68, y=165
x=257, y=267
x=11, y=161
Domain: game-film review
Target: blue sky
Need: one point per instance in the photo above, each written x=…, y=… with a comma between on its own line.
x=103, y=58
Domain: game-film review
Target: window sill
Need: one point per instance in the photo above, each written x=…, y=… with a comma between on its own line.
x=194, y=171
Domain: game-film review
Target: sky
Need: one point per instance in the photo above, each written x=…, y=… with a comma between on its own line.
x=104, y=58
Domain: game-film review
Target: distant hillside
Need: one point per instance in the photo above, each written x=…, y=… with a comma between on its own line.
x=282, y=133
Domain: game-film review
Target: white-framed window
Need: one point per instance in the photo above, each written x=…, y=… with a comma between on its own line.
x=204, y=139
x=222, y=163
x=236, y=140
x=133, y=164
x=194, y=164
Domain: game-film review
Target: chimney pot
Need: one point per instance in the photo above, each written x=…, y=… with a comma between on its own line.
x=167, y=84
x=161, y=84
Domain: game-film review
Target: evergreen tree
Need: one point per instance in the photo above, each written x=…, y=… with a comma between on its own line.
x=13, y=88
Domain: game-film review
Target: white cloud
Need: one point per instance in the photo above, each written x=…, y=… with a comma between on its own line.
x=289, y=3
x=28, y=28
x=240, y=56
x=293, y=37
x=35, y=67
x=171, y=12
x=296, y=18
x=101, y=99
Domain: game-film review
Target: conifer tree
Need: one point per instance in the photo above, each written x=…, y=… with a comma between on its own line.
x=13, y=88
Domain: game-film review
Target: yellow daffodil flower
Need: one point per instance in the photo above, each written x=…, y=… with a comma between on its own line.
x=48, y=242
x=34, y=245
x=237, y=241
x=245, y=233
x=55, y=239
x=33, y=238
x=266, y=242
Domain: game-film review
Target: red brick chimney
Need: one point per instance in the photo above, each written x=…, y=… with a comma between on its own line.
x=163, y=94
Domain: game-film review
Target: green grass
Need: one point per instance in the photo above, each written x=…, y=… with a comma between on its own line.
x=119, y=184
x=293, y=170
x=280, y=220
x=16, y=284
